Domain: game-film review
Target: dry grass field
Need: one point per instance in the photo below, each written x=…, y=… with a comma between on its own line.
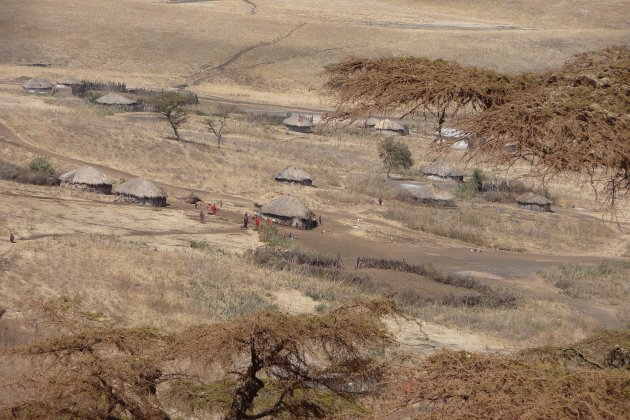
x=495, y=278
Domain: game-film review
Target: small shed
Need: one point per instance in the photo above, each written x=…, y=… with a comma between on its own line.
x=391, y=125
x=289, y=211
x=531, y=201
x=115, y=99
x=443, y=171
x=293, y=175
x=427, y=194
x=141, y=191
x=87, y=178
x=68, y=81
x=63, y=91
x=299, y=123
x=38, y=86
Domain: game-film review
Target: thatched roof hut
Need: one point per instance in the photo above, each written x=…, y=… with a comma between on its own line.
x=115, y=99
x=391, y=125
x=531, y=201
x=88, y=179
x=429, y=195
x=299, y=123
x=288, y=210
x=38, y=86
x=142, y=191
x=443, y=170
x=68, y=81
x=293, y=175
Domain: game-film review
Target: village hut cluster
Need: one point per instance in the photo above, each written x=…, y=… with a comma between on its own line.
x=137, y=190
x=289, y=211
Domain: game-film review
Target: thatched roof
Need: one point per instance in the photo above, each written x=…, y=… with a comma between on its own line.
x=297, y=120
x=141, y=188
x=85, y=175
x=443, y=169
x=37, y=84
x=115, y=99
x=68, y=80
x=287, y=206
x=531, y=198
x=429, y=192
x=389, y=125
x=291, y=173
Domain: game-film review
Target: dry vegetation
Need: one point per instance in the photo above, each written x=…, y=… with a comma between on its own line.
x=118, y=311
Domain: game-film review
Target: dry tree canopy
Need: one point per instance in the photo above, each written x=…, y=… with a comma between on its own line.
x=576, y=119
x=261, y=365
x=407, y=85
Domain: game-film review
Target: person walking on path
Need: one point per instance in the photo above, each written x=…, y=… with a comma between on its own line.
x=202, y=217
x=245, y=220
x=11, y=238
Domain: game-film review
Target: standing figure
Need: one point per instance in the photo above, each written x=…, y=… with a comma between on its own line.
x=11, y=238
x=320, y=219
x=380, y=201
x=202, y=217
x=245, y=220
x=213, y=209
x=257, y=222
x=269, y=222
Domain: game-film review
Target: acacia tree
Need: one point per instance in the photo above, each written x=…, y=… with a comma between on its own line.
x=408, y=85
x=571, y=120
x=92, y=370
x=395, y=155
x=253, y=367
x=170, y=105
x=217, y=129
x=576, y=120
x=274, y=363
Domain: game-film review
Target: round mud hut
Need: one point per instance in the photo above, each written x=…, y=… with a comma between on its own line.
x=289, y=211
x=141, y=191
x=443, y=171
x=531, y=201
x=299, y=123
x=86, y=178
x=38, y=86
x=115, y=99
x=293, y=175
x=392, y=126
x=428, y=195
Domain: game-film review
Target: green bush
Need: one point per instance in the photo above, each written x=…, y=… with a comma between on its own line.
x=41, y=164
x=395, y=155
x=271, y=235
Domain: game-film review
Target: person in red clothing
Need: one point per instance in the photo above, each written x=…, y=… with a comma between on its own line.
x=11, y=238
x=213, y=209
x=257, y=222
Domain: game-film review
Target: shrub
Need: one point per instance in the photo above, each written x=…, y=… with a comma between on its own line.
x=41, y=164
x=271, y=235
x=26, y=175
